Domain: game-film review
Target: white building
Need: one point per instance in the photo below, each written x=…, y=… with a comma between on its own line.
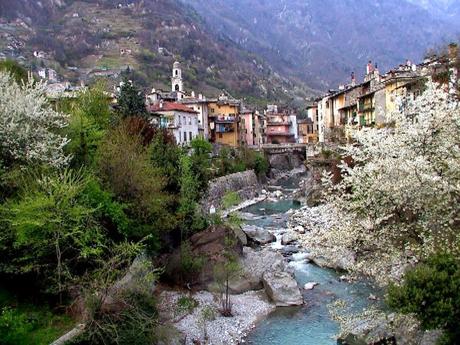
x=294, y=128
x=200, y=105
x=178, y=118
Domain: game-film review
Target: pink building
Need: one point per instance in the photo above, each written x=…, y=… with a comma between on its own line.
x=279, y=128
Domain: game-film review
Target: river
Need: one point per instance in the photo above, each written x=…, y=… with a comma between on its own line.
x=310, y=324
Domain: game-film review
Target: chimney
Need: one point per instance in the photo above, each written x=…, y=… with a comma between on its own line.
x=161, y=104
x=193, y=94
x=353, y=79
x=200, y=96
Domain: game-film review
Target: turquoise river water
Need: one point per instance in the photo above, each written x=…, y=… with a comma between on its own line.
x=310, y=324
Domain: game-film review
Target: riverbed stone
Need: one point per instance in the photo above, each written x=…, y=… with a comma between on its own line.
x=282, y=289
x=258, y=234
x=310, y=286
x=289, y=237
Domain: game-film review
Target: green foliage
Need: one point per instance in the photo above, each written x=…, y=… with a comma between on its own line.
x=124, y=165
x=18, y=72
x=231, y=161
x=230, y=199
x=88, y=123
x=51, y=229
x=31, y=325
x=201, y=164
x=261, y=165
x=166, y=158
x=131, y=100
x=431, y=292
x=134, y=319
x=107, y=211
x=186, y=304
x=189, y=213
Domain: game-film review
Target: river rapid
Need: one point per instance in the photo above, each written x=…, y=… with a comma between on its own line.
x=310, y=324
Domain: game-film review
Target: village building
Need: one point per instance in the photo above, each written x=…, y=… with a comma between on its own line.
x=279, y=126
x=223, y=120
x=179, y=119
x=307, y=133
x=200, y=105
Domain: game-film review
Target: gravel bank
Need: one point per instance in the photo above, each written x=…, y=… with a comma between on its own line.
x=248, y=309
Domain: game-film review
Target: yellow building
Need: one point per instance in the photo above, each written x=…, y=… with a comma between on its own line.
x=223, y=120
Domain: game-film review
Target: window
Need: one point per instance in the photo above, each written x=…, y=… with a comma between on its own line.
x=190, y=136
x=179, y=120
x=220, y=135
x=180, y=136
x=185, y=120
x=212, y=110
x=189, y=120
x=177, y=72
x=185, y=137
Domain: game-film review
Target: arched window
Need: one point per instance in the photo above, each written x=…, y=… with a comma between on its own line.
x=176, y=87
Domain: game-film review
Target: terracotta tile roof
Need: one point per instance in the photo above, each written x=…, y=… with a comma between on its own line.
x=170, y=106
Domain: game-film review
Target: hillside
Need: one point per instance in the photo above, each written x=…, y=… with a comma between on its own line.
x=88, y=39
x=323, y=41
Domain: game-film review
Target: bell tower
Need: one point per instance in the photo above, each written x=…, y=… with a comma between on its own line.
x=176, y=79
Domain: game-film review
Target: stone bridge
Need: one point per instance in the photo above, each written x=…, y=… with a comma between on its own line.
x=306, y=150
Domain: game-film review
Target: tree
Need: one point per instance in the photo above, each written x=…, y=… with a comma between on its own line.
x=226, y=270
x=125, y=169
x=88, y=123
x=201, y=164
x=131, y=101
x=400, y=195
x=52, y=232
x=431, y=292
x=166, y=157
x=29, y=128
x=189, y=213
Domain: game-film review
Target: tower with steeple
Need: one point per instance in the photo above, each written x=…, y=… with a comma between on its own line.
x=176, y=79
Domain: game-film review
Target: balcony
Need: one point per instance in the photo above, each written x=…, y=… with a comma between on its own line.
x=279, y=123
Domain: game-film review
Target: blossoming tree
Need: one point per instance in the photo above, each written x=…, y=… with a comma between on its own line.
x=29, y=127
x=400, y=196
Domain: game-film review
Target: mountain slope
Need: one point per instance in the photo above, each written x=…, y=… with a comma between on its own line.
x=323, y=41
x=84, y=39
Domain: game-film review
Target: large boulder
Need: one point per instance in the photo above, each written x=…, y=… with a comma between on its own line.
x=258, y=235
x=253, y=266
x=282, y=289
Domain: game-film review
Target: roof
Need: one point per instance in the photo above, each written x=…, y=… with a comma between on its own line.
x=170, y=106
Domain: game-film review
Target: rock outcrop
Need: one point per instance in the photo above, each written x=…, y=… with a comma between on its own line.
x=244, y=183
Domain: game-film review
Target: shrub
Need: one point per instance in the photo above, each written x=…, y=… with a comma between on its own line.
x=431, y=292
x=186, y=304
x=230, y=199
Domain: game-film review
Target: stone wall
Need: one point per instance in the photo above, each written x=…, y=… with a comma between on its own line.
x=244, y=183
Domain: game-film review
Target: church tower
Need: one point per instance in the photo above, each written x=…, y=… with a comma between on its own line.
x=176, y=79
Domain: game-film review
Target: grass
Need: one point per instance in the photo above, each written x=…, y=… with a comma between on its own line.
x=24, y=323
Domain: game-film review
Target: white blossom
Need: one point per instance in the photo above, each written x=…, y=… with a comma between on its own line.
x=400, y=200
x=29, y=127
